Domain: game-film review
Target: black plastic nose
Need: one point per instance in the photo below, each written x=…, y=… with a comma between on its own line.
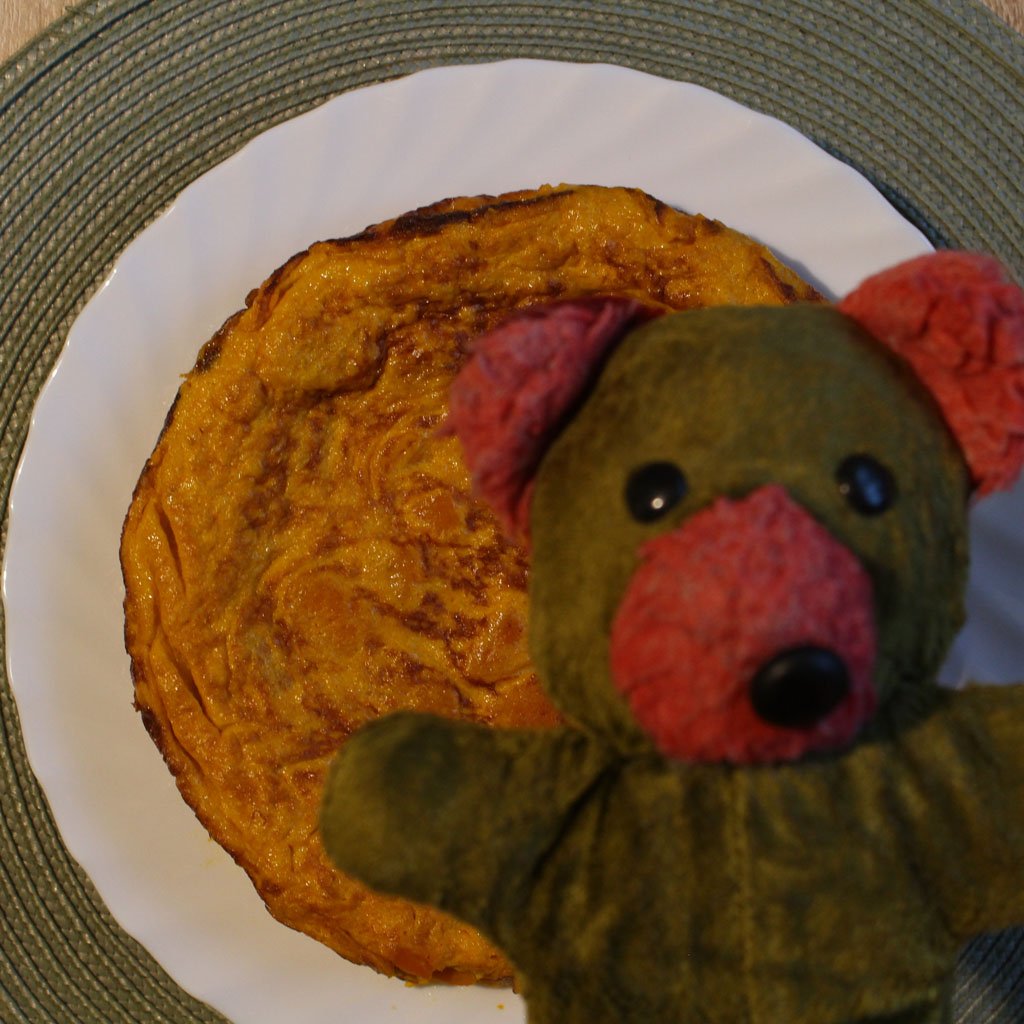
x=799, y=687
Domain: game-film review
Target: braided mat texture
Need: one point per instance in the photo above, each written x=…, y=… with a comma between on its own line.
x=120, y=104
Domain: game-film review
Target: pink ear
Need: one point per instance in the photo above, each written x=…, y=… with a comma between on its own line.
x=958, y=320
x=522, y=381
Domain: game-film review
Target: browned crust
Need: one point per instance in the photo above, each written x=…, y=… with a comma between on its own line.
x=239, y=523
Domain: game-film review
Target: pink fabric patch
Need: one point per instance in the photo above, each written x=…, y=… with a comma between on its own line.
x=521, y=383
x=958, y=320
x=717, y=598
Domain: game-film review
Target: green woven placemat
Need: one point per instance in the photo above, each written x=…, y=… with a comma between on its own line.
x=110, y=113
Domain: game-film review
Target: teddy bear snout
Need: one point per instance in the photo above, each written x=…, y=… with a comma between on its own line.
x=747, y=634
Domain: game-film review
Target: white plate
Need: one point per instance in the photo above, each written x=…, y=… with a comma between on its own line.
x=362, y=157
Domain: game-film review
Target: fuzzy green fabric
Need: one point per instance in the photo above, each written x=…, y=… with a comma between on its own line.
x=631, y=889
x=637, y=891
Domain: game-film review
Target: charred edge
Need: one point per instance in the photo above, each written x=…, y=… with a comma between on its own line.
x=144, y=481
x=208, y=355
x=455, y=976
x=169, y=418
x=786, y=290
x=152, y=725
x=258, y=297
x=260, y=300
x=662, y=211
x=666, y=212
x=149, y=467
x=429, y=222
x=210, y=352
x=178, y=761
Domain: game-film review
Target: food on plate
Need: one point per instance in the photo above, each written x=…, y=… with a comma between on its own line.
x=749, y=540
x=304, y=551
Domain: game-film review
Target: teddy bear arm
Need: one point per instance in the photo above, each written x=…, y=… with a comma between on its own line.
x=448, y=813
x=975, y=835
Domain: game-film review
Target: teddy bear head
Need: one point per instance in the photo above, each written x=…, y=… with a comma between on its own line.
x=748, y=526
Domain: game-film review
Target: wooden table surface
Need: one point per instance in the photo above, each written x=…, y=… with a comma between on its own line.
x=20, y=20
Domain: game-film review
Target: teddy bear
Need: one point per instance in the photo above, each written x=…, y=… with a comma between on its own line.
x=748, y=540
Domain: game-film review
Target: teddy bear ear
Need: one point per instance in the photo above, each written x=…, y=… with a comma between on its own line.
x=523, y=380
x=959, y=321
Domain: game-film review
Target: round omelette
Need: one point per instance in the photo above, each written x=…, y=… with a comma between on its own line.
x=303, y=552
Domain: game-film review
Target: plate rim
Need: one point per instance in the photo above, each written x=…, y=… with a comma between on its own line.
x=26, y=451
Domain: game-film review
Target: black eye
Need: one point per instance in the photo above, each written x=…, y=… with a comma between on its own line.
x=866, y=484
x=653, y=489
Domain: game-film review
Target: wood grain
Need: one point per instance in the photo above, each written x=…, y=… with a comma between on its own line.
x=1011, y=11
x=20, y=20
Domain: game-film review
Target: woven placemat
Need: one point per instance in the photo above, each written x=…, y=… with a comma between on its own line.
x=110, y=113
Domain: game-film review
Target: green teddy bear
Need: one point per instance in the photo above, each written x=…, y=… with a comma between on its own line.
x=749, y=550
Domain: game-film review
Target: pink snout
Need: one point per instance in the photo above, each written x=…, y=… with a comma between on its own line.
x=747, y=635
